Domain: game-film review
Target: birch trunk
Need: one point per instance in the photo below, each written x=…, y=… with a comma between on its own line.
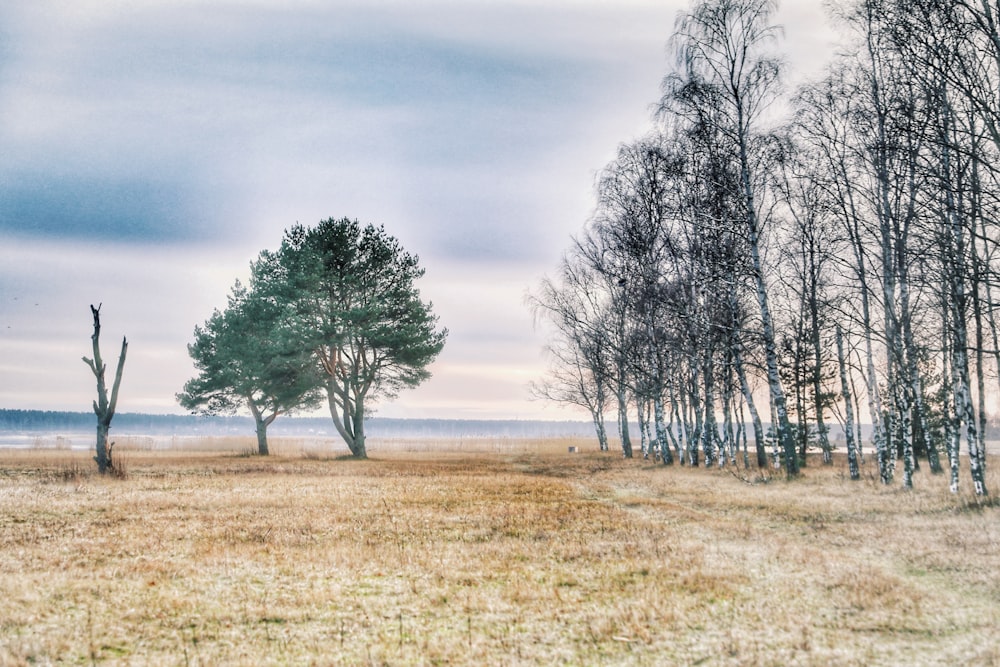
x=675, y=418
x=845, y=391
x=696, y=434
x=977, y=314
x=710, y=434
x=598, y=414
x=874, y=399
x=964, y=409
x=640, y=410
x=817, y=350
x=743, y=438
x=623, y=429
x=957, y=272
x=887, y=455
x=729, y=437
x=602, y=434
x=686, y=427
x=661, y=431
x=777, y=392
x=758, y=428
x=952, y=432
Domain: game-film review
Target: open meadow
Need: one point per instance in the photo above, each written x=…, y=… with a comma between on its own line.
x=486, y=553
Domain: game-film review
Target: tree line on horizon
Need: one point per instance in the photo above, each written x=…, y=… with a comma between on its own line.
x=62, y=422
x=837, y=262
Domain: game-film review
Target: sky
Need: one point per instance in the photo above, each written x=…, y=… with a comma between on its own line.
x=149, y=150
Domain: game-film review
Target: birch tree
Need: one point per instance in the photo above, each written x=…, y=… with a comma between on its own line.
x=829, y=118
x=572, y=304
x=723, y=47
x=811, y=243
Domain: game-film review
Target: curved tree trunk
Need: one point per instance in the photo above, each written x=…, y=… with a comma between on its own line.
x=261, y=423
x=348, y=416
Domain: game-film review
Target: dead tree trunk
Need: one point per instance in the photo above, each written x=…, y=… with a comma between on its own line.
x=104, y=407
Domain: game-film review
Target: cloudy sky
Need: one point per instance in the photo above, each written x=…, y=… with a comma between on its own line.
x=150, y=149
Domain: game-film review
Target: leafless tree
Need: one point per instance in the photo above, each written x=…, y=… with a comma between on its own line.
x=104, y=405
x=724, y=49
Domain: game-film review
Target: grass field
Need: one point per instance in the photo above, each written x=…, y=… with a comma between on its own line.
x=486, y=555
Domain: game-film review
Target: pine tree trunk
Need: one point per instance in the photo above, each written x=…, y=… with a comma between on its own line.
x=261, y=422
x=359, y=450
x=348, y=416
x=262, y=449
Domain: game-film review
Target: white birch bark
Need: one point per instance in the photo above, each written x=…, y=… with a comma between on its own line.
x=758, y=428
x=623, y=427
x=845, y=392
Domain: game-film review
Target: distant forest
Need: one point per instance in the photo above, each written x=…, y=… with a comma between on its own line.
x=44, y=421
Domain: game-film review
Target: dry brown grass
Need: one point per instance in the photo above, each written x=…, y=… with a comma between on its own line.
x=523, y=557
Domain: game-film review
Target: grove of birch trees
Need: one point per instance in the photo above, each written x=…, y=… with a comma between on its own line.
x=772, y=271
